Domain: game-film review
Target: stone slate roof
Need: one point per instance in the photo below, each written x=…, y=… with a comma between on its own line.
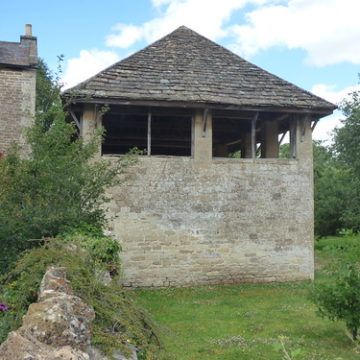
x=14, y=54
x=186, y=67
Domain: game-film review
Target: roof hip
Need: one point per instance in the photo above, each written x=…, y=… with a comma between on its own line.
x=186, y=67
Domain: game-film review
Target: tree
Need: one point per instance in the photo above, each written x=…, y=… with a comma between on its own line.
x=47, y=86
x=48, y=90
x=330, y=184
x=347, y=150
x=57, y=185
x=346, y=138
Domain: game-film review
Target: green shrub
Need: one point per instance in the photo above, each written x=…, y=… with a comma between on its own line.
x=103, y=249
x=338, y=243
x=340, y=299
x=59, y=185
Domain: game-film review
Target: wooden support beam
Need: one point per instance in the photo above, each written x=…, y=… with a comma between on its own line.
x=191, y=105
x=233, y=142
x=314, y=124
x=258, y=149
x=303, y=128
x=293, y=127
x=239, y=117
x=143, y=139
x=164, y=144
x=282, y=117
x=204, y=123
x=149, y=133
x=77, y=122
x=253, y=135
x=282, y=137
x=192, y=135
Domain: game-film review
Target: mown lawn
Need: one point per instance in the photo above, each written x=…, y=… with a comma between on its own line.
x=243, y=322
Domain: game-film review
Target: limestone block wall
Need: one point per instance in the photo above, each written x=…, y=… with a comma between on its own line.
x=17, y=104
x=182, y=222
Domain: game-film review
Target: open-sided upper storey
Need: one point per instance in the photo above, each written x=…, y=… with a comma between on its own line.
x=200, y=214
x=154, y=95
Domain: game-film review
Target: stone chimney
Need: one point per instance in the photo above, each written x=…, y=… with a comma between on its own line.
x=30, y=42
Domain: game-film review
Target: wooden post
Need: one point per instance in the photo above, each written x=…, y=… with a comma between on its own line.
x=293, y=127
x=253, y=135
x=246, y=149
x=270, y=143
x=90, y=121
x=304, y=139
x=202, y=145
x=149, y=133
x=192, y=135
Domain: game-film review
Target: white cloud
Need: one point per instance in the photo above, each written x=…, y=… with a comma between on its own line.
x=324, y=128
x=326, y=125
x=329, y=30
x=205, y=17
x=329, y=93
x=160, y=3
x=86, y=65
x=127, y=35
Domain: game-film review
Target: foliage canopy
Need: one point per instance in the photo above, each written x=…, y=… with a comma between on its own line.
x=57, y=184
x=337, y=175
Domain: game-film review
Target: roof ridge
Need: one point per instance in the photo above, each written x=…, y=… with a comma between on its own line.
x=10, y=42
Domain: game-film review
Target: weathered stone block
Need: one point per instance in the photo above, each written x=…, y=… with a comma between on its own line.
x=221, y=218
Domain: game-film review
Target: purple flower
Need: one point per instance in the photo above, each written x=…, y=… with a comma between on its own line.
x=3, y=307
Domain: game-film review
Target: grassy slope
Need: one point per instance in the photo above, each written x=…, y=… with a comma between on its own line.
x=245, y=321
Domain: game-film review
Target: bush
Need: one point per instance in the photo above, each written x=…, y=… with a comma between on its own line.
x=103, y=249
x=340, y=299
x=344, y=244
x=58, y=185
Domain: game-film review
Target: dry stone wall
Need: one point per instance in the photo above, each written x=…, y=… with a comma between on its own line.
x=57, y=327
x=17, y=104
x=182, y=222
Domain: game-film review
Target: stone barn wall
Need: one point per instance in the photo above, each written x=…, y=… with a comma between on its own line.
x=17, y=104
x=183, y=222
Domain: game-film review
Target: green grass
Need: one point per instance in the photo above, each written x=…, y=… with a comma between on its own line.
x=243, y=322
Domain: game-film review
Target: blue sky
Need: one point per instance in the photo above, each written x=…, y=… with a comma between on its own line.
x=314, y=44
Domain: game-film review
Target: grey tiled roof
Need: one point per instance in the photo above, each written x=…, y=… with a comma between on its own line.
x=187, y=67
x=14, y=54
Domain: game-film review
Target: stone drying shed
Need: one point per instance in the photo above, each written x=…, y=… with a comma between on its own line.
x=210, y=201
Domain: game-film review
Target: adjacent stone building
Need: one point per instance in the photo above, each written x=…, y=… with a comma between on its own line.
x=210, y=201
x=17, y=87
